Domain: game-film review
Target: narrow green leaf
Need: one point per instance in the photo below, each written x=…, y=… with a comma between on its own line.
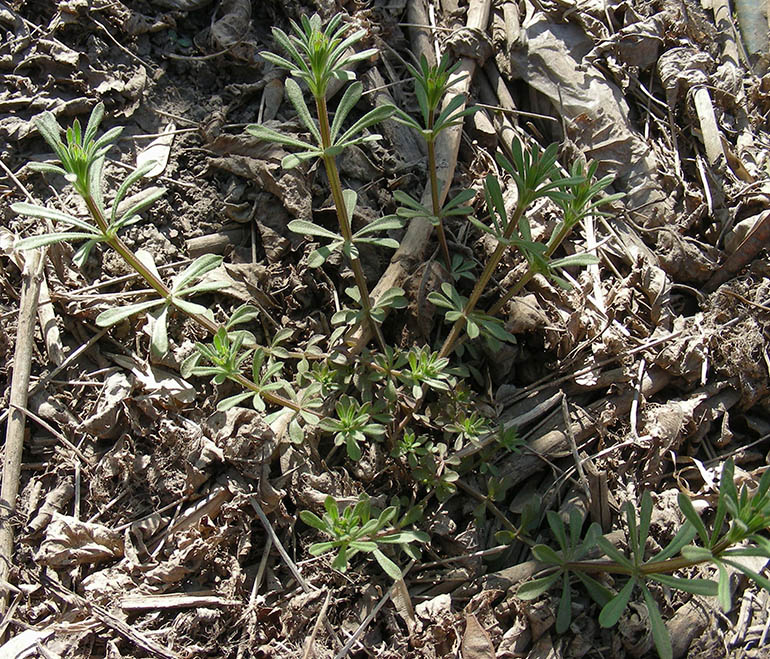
x=691, y=515
x=598, y=592
x=389, y=567
x=347, y=103
x=46, y=168
x=659, y=632
x=723, y=589
x=159, y=341
x=269, y=135
x=318, y=548
x=611, y=612
x=33, y=210
x=297, y=99
x=610, y=550
x=231, y=401
x=754, y=576
x=112, y=316
x=50, y=239
x=572, y=260
x=312, y=520
x=49, y=130
x=704, y=587
x=107, y=138
x=533, y=589
x=132, y=178
x=370, y=118
x=304, y=227
x=545, y=554
x=385, y=223
x=196, y=270
x=192, y=308
x=564, y=612
x=97, y=114
x=683, y=537
x=149, y=198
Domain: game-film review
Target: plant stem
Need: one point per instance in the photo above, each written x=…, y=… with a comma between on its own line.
x=434, y=193
x=335, y=184
x=656, y=567
x=483, y=280
x=165, y=292
x=553, y=244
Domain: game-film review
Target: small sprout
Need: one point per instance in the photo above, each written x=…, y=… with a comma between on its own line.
x=354, y=423
x=359, y=529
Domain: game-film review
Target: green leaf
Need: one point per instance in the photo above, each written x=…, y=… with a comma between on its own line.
x=112, y=316
x=582, y=259
x=372, y=117
x=704, y=587
x=659, y=632
x=754, y=576
x=107, y=138
x=611, y=612
x=312, y=520
x=318, y=548
x=350, y=198
x=533, y=589
x=149, y=198
x=683, y=537
x=364, y=545
x=196, y=270
x=297, y=99
x=81, y=254
x=610, y=550
x=384, y=223
x=159, y=341
x=318, y=257
x=402, y=537
x=599, y=593
x=132, y=178
x=192, y=309
x=231, y=401
x=331, y=508
x=97, y=114
x=389, y=567
x=304, y=227
x=46, y=168
x=49, y=239
x=645, y=515
x=49, y=130
x=347, y=103
x=564, y=612
x=33, y=210
x=545, y=554
x=269, y=135
x=723, y=589
x=688, y=510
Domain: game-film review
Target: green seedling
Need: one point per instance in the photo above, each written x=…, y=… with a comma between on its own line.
x=354, y=423
x=81, y=160
x=358, y=530
x=315, y=57
x=432, y=83
x=737, y=528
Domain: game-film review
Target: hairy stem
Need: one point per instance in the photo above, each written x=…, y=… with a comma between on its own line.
x=335, y=184
x=434, y=193
x=553, y=244
x=483, y=280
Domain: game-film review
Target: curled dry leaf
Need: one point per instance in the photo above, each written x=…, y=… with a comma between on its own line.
x=70, y=541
